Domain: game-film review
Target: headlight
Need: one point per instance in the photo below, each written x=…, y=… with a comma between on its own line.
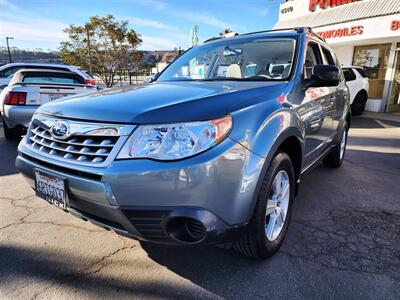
x=175, y=141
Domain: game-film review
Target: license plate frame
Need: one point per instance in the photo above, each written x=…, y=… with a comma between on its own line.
x=51, y=188
x=53, y=97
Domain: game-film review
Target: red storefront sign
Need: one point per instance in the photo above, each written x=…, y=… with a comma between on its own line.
x=342, y=32
x=324, y=4
x=395, y=25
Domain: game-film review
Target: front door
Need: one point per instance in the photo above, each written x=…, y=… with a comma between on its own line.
x=316, y=109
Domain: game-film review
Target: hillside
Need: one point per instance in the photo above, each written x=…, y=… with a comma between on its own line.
x=150, y=57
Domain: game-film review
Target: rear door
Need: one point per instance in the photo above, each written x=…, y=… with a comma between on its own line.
x=338, y=93
x=316, y=109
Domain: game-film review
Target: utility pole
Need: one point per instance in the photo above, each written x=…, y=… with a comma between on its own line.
x=8, y=47
x=89, y=50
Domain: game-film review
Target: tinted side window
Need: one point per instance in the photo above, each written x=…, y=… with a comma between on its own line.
x=313, y=57
x=349, y=75
x=362, y=72
x=9, y=71
x=328, y=56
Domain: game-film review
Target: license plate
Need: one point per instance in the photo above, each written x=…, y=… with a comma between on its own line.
x=50, y=188
x=53, y=97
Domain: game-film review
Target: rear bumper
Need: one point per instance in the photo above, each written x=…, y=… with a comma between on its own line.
x=18, y=115
x=202, y=200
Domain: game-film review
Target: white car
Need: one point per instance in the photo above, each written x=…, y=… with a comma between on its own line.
x=358, y=84
x=7, y=71
x=30, y=88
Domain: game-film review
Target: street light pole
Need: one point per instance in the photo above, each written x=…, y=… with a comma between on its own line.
x=89, y=50
x=8, y=47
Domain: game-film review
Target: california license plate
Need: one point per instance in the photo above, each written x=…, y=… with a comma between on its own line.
x=50, y=188
x=53, y=97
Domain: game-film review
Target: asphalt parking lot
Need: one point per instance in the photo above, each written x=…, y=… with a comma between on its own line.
x=343, y=243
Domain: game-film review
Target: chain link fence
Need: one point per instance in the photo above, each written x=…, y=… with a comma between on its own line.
x=126, y=78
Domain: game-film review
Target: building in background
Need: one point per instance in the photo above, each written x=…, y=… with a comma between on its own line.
x=361, y=32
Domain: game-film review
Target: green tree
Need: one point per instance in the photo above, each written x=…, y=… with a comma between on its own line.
x=111, y=45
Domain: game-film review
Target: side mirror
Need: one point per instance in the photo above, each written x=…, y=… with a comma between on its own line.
x=323, y=76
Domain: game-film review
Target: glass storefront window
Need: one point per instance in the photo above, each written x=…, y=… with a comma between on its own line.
x=374, y=59
x=394, y=99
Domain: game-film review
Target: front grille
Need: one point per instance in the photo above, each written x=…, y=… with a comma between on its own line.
x=94, y=149
x=84, y=144
x=148, y=222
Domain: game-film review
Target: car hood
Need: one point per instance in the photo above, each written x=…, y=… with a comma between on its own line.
x=162, y=102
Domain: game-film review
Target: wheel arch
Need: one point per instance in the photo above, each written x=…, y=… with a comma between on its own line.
x=292, y=147
x=362, y=92
x=291, y=142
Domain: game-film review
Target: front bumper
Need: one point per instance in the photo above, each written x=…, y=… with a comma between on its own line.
x=212, y=194
x=18, y=115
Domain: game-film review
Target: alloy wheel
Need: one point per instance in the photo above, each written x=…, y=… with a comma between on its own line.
x=343, y=144
x=277, y=205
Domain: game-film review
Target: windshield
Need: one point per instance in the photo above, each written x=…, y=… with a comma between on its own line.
x=250, y=60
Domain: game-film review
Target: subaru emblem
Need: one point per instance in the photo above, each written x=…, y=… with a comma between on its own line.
x=60, y=130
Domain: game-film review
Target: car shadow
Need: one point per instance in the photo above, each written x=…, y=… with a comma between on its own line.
x=60, y=268
x=360, y=122
x=8, y=153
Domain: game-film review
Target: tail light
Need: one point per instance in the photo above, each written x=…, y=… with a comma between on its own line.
x=15, y=98
x=91, y=81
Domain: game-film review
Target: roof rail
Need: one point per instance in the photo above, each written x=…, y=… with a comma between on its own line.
x=227, y=35
x=296, y=29
x=213, y=39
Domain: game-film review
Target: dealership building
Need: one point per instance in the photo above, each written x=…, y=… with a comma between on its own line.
x=361, y=32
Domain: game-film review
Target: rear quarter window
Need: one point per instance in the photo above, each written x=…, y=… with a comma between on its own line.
x=9, y=72
x=362, y=72
x=328, y=56
x=349, y=74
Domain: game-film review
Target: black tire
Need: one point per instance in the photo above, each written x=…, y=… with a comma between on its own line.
x=334, y=159
x=11, y=134
x=254, y=242
x=358, y=106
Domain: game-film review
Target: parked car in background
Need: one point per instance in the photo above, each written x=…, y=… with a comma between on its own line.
x=358, y=83
x=30, y=88
x=7, y=71
x=212, y=151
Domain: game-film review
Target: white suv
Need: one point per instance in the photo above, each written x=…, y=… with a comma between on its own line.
x=7, y=71
x=358, y=84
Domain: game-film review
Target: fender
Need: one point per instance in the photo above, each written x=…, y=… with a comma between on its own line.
x=282, y=124
x=273, y=149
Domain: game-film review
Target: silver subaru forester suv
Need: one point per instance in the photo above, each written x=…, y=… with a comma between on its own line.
x=211, y=152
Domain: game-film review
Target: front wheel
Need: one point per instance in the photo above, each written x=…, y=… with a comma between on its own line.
x=359, y=103
x=267, y=228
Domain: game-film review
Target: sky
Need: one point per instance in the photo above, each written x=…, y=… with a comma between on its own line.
x=163, y=24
